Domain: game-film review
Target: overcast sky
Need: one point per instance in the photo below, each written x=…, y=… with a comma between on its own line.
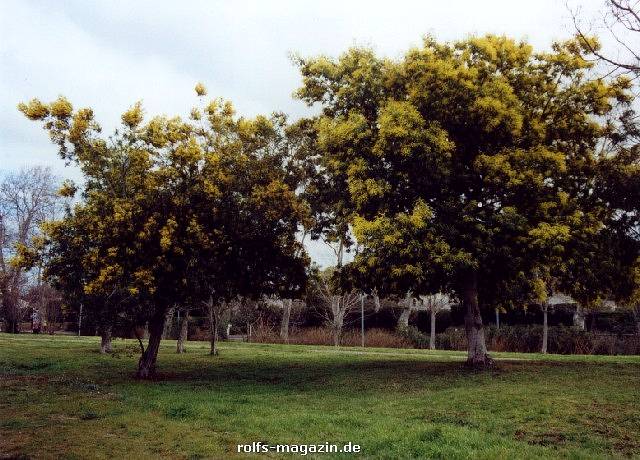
x=110, y=54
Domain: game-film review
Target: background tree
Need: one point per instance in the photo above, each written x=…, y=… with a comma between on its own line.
x=283, y=308
x=183, y=328
x=620, y=21
x=27, y=199
x=619, y=185
x=335, y=302
x=47, y=301
x=216, y=312
x=408, y=307
x=434, y=303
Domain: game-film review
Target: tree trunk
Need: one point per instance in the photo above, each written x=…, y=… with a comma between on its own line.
x=497, y=319
x=147, y=362
x=213, y=328
x=338, y=310
x=636, y=315
x=214, y=341
x=579, y=318
x=337, y=333
x=12, y=326
x=545, y=327
x=432, y=336
x=286, y=314
x=476, y=348
x=105, y=339
x=403, y=321
x=168, y=323
x=376, y=302
x=182, y=334
x=11, y=312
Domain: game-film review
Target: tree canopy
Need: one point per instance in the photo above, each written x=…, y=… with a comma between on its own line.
x=173, y=211
x=468, y=163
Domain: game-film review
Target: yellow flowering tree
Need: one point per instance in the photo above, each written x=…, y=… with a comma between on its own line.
x=173, y=211
x=468, y=164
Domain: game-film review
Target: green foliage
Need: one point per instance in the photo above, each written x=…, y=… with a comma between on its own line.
x=173, y=211
x=468, y=160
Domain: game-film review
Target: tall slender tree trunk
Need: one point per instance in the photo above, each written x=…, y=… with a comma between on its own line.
x=497, y=318
x=214, y=339
x=477, y=355
x=168, y=323
x=183, y=332
x=432, y=336
x=636, y=316
x=545, y=327
x=286, y=315
x=147, y=362
x=105, y=339
x=213, y=327
x=338, y=311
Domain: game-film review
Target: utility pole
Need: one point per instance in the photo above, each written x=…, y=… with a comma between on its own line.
x=80, y=320
x=362, y=318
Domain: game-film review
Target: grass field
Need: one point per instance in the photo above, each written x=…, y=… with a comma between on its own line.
x=60, y=398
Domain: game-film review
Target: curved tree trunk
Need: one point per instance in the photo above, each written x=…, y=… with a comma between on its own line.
x=477, y=355
x=403, y=321
x=286, y=315
x=432, y=336
x=147, y=362
x=545, y=327
x=183, y=332
x=105, y=339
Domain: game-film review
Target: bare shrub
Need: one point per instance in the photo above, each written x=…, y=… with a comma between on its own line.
x=324, y=336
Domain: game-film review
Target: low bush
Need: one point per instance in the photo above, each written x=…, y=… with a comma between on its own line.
x=322, y=336
x=416, y=337
x=521, y=339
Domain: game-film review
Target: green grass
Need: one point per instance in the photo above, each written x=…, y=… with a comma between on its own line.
x=60, y=398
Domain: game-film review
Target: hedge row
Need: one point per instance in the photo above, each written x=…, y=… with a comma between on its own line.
x=528, y=339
